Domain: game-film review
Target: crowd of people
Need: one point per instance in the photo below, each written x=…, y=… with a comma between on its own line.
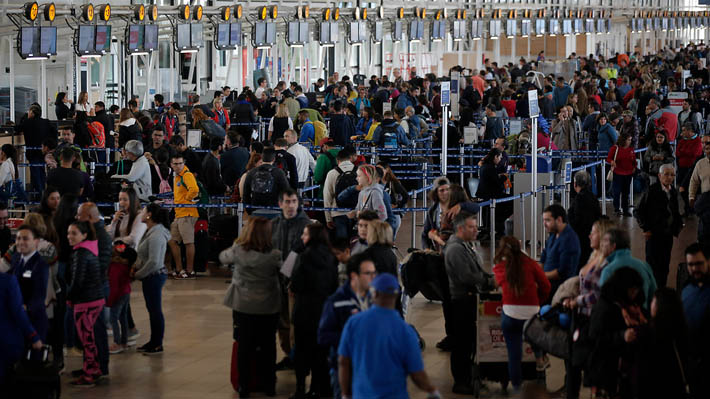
x=327, y=282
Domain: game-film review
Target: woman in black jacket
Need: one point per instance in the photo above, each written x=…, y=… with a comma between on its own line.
x=128, y=128
x=63, y=106
x=492, y=185
x=85, y=293
x=381, y=247
x=614, y=325
x=314, y=279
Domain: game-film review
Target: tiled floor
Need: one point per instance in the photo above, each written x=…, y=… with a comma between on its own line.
x=198, y=343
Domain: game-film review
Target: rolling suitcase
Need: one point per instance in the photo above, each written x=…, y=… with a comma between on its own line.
x=202, y=246
x=35, y=378
x=234, y=372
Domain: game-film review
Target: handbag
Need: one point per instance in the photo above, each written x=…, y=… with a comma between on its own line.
x=544, y=333
x=610, y=174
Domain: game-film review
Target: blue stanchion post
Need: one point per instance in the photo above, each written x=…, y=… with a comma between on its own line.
x=493, y=228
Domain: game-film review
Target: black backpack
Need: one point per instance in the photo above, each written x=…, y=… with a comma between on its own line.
x=263, y=186
x=280, y=162
x=344, y=181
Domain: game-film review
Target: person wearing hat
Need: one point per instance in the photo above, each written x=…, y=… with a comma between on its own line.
x=466, y=279
x=378, y=349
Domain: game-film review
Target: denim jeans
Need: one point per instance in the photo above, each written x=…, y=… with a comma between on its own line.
x=342, y=226
x=396, y=223
x=119, y=314
x=513, y=334
x=152, y=291
x=621, y=186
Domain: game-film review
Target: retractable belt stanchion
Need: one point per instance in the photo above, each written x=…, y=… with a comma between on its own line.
x=414, y=222
x=533, y=202
x=461, y=162
x=522, y=217
x=493, y=229
x=602, y=179
x=240, y=217
x=444, y=139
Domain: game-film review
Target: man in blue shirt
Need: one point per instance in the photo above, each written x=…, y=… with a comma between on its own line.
x=408, y=99
x=389, y=134
x=560, y=257
x=308, y=132
x=696, y=306
x=560, y=93
x=378, y=350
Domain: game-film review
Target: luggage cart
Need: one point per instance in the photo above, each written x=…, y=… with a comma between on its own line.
x=491, y=361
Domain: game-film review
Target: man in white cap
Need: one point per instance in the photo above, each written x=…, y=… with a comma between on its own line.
x=378, y=350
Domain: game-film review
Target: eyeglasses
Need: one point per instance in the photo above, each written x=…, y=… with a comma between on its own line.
x=369, y=273
x=695, y=264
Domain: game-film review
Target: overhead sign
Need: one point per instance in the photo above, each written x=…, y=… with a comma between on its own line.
x=445, y=93
x=532, y=104
x=676, y=99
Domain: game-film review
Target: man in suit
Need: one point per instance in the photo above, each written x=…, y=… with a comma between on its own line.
x=35, y=130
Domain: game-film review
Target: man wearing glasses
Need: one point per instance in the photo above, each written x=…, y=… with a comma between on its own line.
x=182, y=230
x=659, y=214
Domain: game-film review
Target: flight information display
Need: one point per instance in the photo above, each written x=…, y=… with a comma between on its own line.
x=29, y=41
x=150, y=41
x=48, y=40
x=103, y=39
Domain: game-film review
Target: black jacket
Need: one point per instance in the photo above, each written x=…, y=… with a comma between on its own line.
x=105, y=248
x=491, y=183
x=211, y=176
x=288, y=165
x=62, y=111
x=35, y=131
x=606, y=331
x=233, y=162
x=659, y=214
x=127, y=133
x=87, y=282
x=242, y=112
x=266, y=199
x=583, y=211
x=385, y=258
x=314, y=279
x=341, y=129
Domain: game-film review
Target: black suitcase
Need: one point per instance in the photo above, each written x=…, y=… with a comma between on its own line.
x=223, y=230
x=35, y=378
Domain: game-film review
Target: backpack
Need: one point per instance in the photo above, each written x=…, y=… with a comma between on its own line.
x=97, y=135
x=413, y=128
x=388, y=137
x=164, y=186
x=344, y=181
x=320, y=131
x=280, y=162
x=203, y=197
x=263, y=186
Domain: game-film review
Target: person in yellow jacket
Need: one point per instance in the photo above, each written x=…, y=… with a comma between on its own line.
x=182, y=230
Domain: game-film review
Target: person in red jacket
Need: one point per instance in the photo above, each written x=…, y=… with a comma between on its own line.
x=668, y=120
x=508, y=103
x=623, y=164
x=524, y=287
x=690, y=147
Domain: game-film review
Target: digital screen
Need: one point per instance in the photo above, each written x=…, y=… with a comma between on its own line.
x=554, y=26
x=363, y=31
x=334, y=32
x=235, y=36
x=183, y=36
x=540, y=26
x=413, y=30
x=303, y=32
x=456, y=30
x=196, y=36
x=567, y=26
x=397, y=31
x=377, y=37
x=578, y=26
x=435, y=34
x=151, y=38
x=354, y=32
x=86, y=39
x=260, y=33
x=135, y=37
x=324, y=34
x=477, y=29
x=590, y=26
x=48, y=40
x=29, y=41
x=525, y=26
x=270, y=32
x=222, y=36
x=293, y=32
x=511, y=27
x=649, y=24
x=103, y=38
x=601, y=26
x=494, y=29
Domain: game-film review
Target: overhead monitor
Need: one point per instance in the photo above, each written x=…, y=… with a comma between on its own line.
x=649, y=24
x=196, y=39
x=354, y=32
x=235, y=35
x=222, y=37
x=334, y=32
x=85, y=42
x=554, y=27
x=459, y=31
x=601, y=26
x=103, y=39
x=511, y=27
x=397, y=30
x=578, y=26
x=540, y=27
x=264, y=34
x=271, y=33
x=525, y=27
x=476, y=29
x=29, y=42
x=567, y=27
x=657, y=23
x=494, y=29
x=415, y=34
x=136, y=37
x=324, y=33
x=378, y=31
x=589, y=26
x=48, y=40
x=363, y=31
x=182, y=39
x=150, y=43
x=435, y=32
x=304, y=32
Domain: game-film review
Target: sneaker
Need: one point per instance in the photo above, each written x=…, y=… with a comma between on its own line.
x=183, y=276
x=175, y=275
x=153, y=351
x=84, y=381
x=131, y=342
x=114, y=349
x=192, y=275
x=133, y=334
x=444, y=345
x=143, y=348
x=462, y=389
x=77, y=373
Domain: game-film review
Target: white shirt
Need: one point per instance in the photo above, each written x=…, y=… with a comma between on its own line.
x=304, y=160
x=26, y=258
x=7, y=172
x=137, y=230
x=329, y=194
x=83, y=107
x=258, y=92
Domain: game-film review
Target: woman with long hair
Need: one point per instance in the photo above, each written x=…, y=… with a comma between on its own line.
x=371, y=194
x=151, y=271
x=8, y=167
x=314, y=279
x=128, y=128
x=381, y=246
x=279, y=123
x=85, y=293
x=492, y=185
x=48, y=207
x=254, y=296
x=439, y=197
x=659, y=153
x=525, y=288
x=622, y=158
x=399, y=197
x=63, y=106
x=82, y=104
x=221, y=116
x=458, y=199
x=127, y=224
x=254, y=161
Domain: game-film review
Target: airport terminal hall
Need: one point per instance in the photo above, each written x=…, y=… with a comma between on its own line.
x=311, y=199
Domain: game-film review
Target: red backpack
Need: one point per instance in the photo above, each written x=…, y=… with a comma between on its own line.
x=98, y=137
